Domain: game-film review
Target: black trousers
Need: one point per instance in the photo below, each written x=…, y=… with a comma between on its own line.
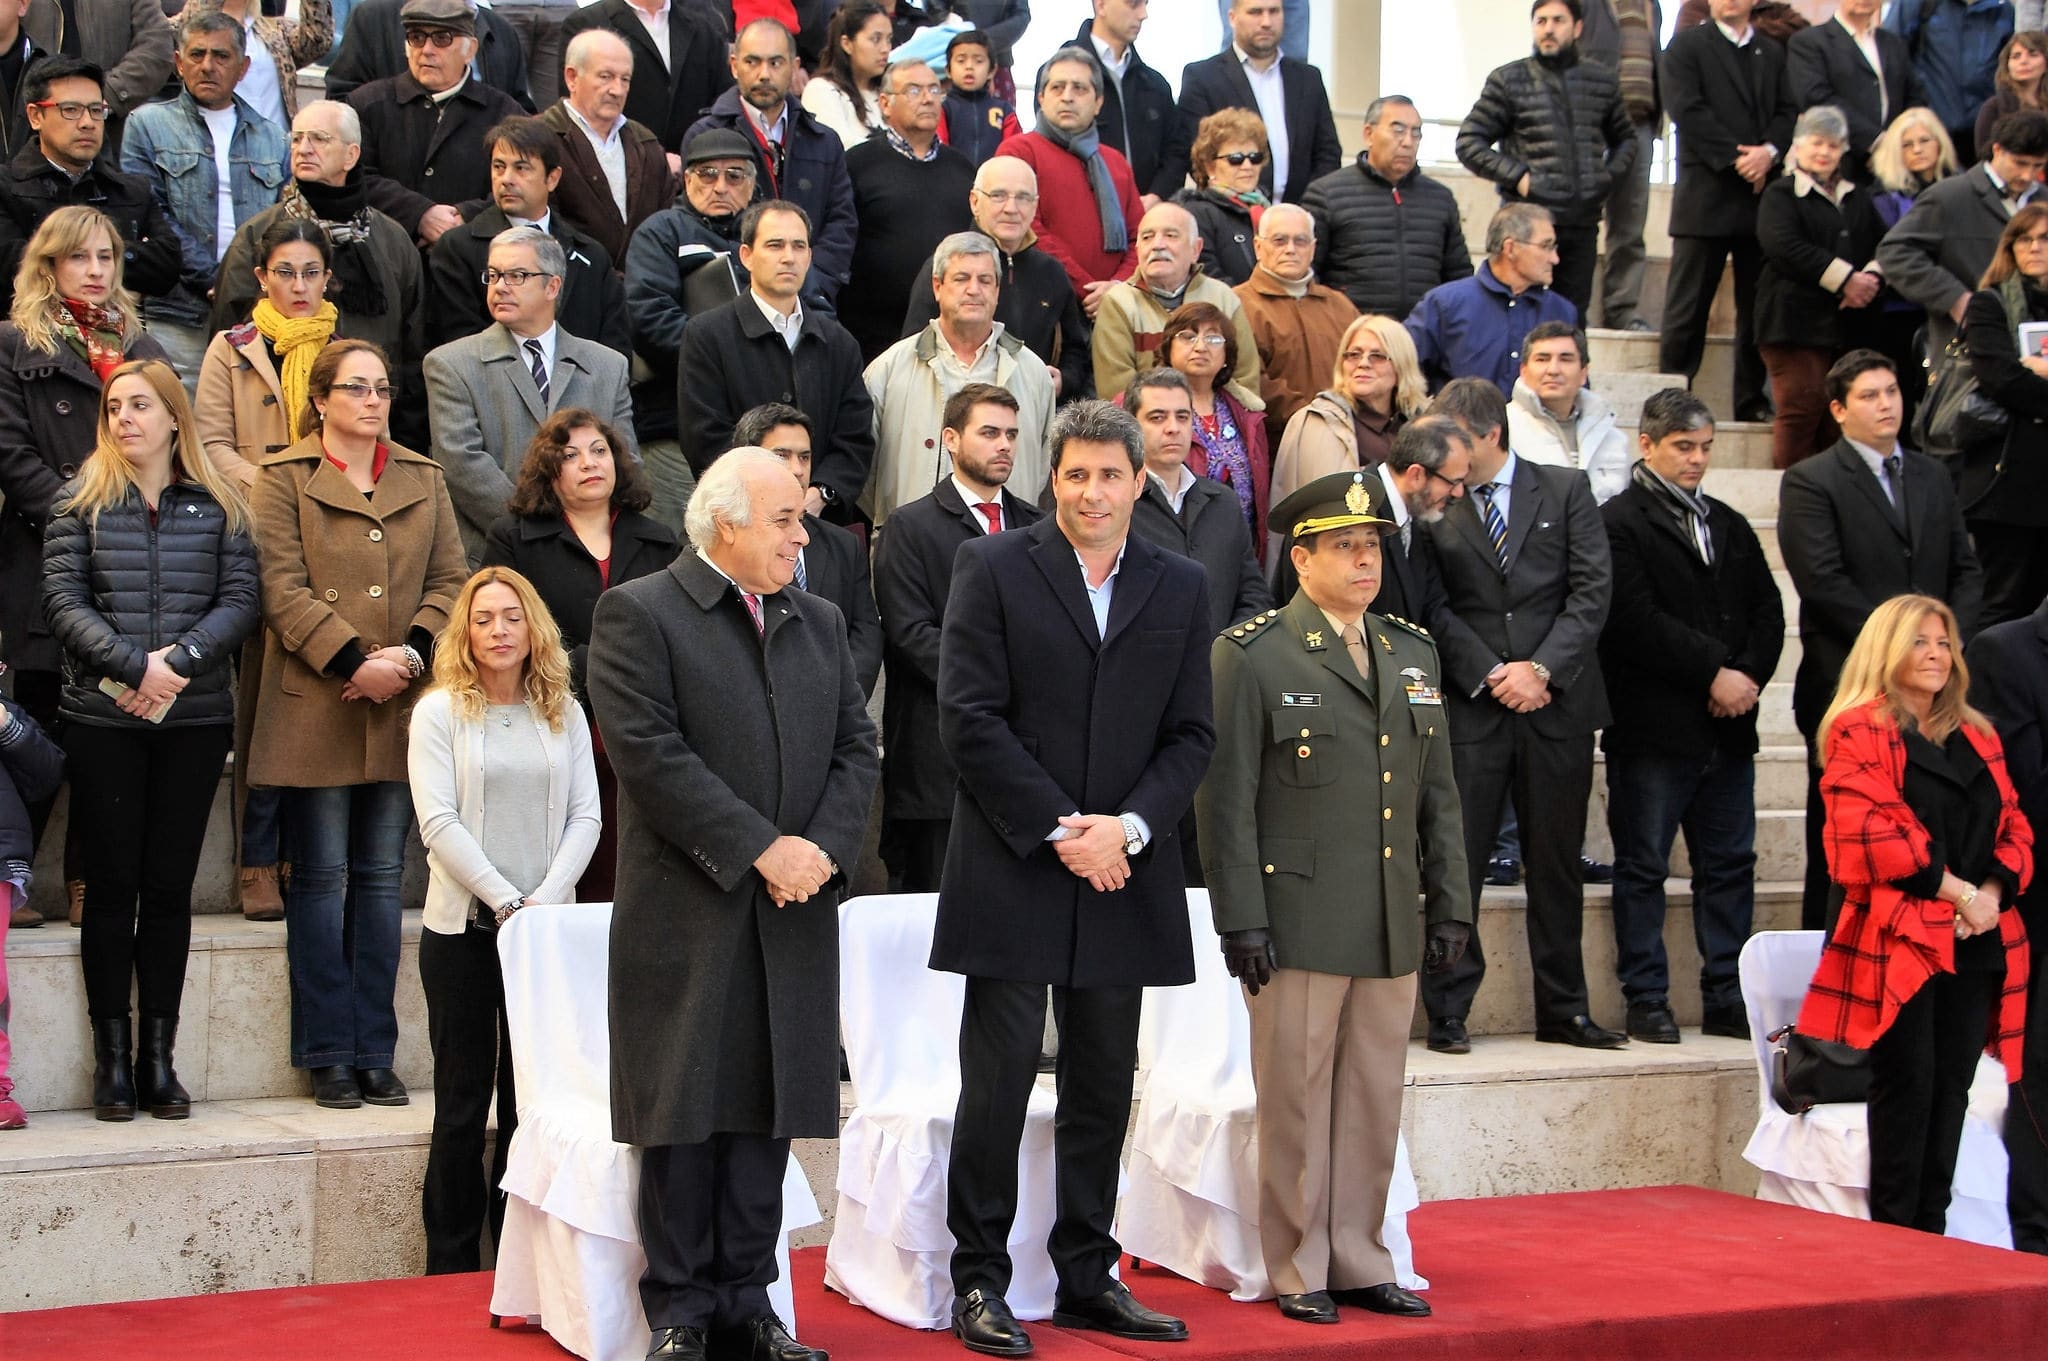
x=1696, y=264
x=1002, y=1027
x=1578, y=251
x=914, y=849
x=1549, y=780
x=2026, y=1106
x=1818, y=905
x=139, y=800
x=39, y=693
x=710, y=1214
x=472, y=1054
x=2015, y=561
x=1920, y=1073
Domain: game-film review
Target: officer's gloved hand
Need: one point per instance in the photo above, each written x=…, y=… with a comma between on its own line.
x=1249, y=957
x=1447, y=941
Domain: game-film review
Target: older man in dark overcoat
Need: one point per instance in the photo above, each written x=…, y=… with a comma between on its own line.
x=746, y=764
x=1074, y=701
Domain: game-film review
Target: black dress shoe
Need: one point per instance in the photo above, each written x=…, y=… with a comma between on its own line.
x=1731, y=1021
x=1581, y=1031
x=1314, y=1307
x=1759, y=412
x=685, y=1343
x=1652, y=1022
x=334, y=1087
x=1448, y=1036
x=762, y=1338
x=1116, y=1312
x=1502, y=872
x=983, y=1322
x=381, y=1087
x=1386, y=1299
x=1593, y=871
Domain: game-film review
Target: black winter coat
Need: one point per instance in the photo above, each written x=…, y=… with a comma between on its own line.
x=1802, y=235
x=836, y=569
x=1210, y=529
x=2006, y=481
x=1675, y=622
x=373, y=47
x=1562, y=123
x=49, y=407
x=1227, y=233
x=665, y=250
x=1721, y=96
x=1036, y=303
x=31, y=189
x=118, y=587
x=544, y=550
x=33, y=767
x=1140, y=119
x=1385, y=245
x=417, y=153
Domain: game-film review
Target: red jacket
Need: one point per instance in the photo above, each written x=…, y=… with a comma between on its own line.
x=1886, y=944
x=1069, y=229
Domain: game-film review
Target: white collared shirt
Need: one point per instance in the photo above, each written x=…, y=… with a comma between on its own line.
x=1116, y=66
x=1503, y=491
x=772, y=131
x=656, y=23
x=1397, y=505
x=971, y=498
x=537, y=223
x=1874, y=461
x=2012, y=205
x=1272, y=101
x=1176, y=492
x=1100, y=596
x=611, y=154
x=789, y=327
x=259, y=83
x=547, y=340
x=984, y=365
x=1741, y=39
x=453, y=90
x=1866, y=43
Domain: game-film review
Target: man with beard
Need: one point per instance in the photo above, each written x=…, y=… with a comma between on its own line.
x=1424, y=472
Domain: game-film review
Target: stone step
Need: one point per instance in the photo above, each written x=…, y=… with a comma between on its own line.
x=1737, y=444
x=1751, y=492
x=1615, y=352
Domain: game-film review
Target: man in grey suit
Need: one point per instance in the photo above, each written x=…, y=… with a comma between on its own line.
x=488, y=393
x=1525, y=563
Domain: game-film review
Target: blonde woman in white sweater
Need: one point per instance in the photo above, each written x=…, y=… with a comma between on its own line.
x=506, y=792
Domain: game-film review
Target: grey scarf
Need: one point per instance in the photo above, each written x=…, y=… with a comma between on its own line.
x=1088, y=146
x=1689, y=508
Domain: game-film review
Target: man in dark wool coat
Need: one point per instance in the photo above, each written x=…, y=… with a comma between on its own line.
x=746, y=763
x=1074, y=701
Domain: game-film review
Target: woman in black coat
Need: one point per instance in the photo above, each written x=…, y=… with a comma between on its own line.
x=575, y=527
x=2002, y=484
x=1819, y=236
x=149, y=584
x=1228, y=156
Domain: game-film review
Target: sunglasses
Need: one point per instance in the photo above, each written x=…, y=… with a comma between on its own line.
x=1244, y=157
x=438, y=37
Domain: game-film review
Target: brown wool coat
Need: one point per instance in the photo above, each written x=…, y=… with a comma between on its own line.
x=339, y=567
x=1297, y=339
x=239, y=405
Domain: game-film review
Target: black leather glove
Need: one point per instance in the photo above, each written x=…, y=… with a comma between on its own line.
x=1446, y=944
x=1249, y=957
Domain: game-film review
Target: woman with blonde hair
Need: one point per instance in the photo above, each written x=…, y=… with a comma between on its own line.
x=1376, y=387
x=1911, y=154
x=1228, y=157
x=499, y=760
x=149, y=584
x=72, y=324
x=1926, y=966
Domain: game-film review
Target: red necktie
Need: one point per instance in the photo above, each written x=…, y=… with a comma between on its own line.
x=753, y=608
x=993, y=513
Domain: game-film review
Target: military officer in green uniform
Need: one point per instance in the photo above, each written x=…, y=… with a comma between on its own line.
x=1332, y=845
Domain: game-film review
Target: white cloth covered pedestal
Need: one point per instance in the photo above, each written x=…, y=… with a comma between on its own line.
x=1191, y=1201
x=1821, y=1160
x=570, y=1253
x=891, y=1250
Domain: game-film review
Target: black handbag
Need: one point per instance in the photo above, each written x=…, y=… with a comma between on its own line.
x=1955, y=416
x=1806, y=1072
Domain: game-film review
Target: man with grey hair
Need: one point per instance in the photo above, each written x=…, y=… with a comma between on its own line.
x=746, y=763
x=1297, y=323
x=1474, y=328
x=487, y=394
x=1385, y=198
x=911, y=381
x=910, y=190
x=615, y=172
x=1169, y=275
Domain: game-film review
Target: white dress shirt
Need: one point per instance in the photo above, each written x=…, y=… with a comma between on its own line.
x=1272, y=102
x=1866, y=43
x=790, y=328
x=611, y=154
x=971, y=498
x=1177, y=491
x=655, y=21
x=1874, y=460
x=1503, y=492
x=1397, y=507
x=1098, y=601
x=547, y=341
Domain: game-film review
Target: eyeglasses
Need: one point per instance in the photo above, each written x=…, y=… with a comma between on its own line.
x=919, y=92
x=1352, y=359
x=71, y=110
x=318, y=139
x=1244, y=157
x=362, y=392
x=732, y=174
x=1210, y=339
x=518, y=278
x=1003, y=198
x=2036, y=241
x=439, y=37
x=1285, y=242
x=1546, y=247
x=1454, y=483
x=288, y=276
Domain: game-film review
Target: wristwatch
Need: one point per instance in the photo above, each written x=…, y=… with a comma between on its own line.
x=1542, y=671
x=1134, y=840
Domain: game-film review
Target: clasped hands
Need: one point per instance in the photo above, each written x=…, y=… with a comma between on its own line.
x=794, y=868
x=1517, y=686
x=1980, y=913
x=383, y=675
x=1094, y=850
x=160, y=685
x=1733, y=693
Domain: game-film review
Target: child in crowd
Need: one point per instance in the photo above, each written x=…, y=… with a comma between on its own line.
x=30, y=768
x=976, y=119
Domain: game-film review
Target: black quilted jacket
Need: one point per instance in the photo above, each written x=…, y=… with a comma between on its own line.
x=1560, y=122
x=116, y=590
x=1385, y=245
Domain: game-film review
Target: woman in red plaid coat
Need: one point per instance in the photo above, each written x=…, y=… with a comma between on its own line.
x=1927, y=964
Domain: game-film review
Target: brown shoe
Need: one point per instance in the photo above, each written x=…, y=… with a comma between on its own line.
x=256, y=886
x=23, y=917
x=75, y=889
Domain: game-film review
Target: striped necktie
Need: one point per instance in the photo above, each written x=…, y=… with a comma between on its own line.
x=1496, y=527
x=540, y=371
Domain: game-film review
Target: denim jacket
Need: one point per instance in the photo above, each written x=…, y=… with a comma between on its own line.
x=167, y=143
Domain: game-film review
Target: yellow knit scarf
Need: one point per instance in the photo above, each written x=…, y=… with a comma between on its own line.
x=298, y=342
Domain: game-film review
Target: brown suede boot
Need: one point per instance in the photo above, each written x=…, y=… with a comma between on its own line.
x=256, y=886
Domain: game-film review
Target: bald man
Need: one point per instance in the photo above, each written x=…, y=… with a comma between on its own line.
x=1298, y=322
x=1133, y=313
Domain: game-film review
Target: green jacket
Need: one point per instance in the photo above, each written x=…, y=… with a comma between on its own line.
x=1322, y=806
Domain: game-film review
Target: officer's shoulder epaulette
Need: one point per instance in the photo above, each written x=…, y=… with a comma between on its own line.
x=1258, y=626
x=243, y=334
x=1412, y=627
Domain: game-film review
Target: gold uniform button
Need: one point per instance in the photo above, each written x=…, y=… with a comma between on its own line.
x=1269, y=869
x=1384, y=739
x=1302, y=751
x=1386, y=852
x=1386, y=777
x=376, y=536
x=1386, y=815
x=376, y=592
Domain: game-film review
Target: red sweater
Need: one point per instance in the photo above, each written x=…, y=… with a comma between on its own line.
x=1069, y=229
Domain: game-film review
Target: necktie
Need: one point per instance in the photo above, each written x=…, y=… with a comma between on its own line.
x=1407, y=538
x=803, y=578
x=540, y=370
x=1354, y=643
x=993, y=513
x=1895, y=484
x=1496, y=527
x=753, y=603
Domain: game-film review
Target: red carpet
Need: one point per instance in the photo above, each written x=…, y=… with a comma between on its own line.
x=1669, y=1272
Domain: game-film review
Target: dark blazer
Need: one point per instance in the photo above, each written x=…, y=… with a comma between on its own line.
x=1848, y=554
x=2006, y=481
x=584, y=195
x=373, y=47
x=1139, y=119
x=1676, y=622
x=1942, y=246
x=1411, y=583
x=1219, y=82
x=732, y=361
x=2009, y=683
x=1548, y=607
x=1824, y=66
x=544, y=550
x=1802, y=234
x=417, y=153
x=666, y=99
x=593, y=300
x=1043, y=716
x=836, y=568
x=724, y=1011
x=1721, y=96
x=914, y=553
x=1211, y=530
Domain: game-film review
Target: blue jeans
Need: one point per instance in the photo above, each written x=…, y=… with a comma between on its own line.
x=261, y=819
x=341, y=914
x=1650, y=799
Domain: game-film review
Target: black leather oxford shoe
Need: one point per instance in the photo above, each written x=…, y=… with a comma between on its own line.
x=1386, y=1299
x=677, y=1344
x=1581, y=1031
x=983, y=1322
x=1314, y=1307
x=1652, y=1022
x=1117, y=1312
x=763, y=1338
x=1448, y=1036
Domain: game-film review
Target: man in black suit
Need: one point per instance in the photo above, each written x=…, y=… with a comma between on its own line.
x=1733, y=110
x=1074, y=701
x=526, y=165
x=670, y=90
x=373, y=47
x=1859, y=523
x=834, y=564
x=1137, y=115
x=1524, y=561
x=1860, y=67
x=914, y=553
x=2009, y=682
x=1251, y=73
x=1691, y=641
x=1425, y=471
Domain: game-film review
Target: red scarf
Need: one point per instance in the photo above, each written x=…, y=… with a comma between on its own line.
x=93, y=331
